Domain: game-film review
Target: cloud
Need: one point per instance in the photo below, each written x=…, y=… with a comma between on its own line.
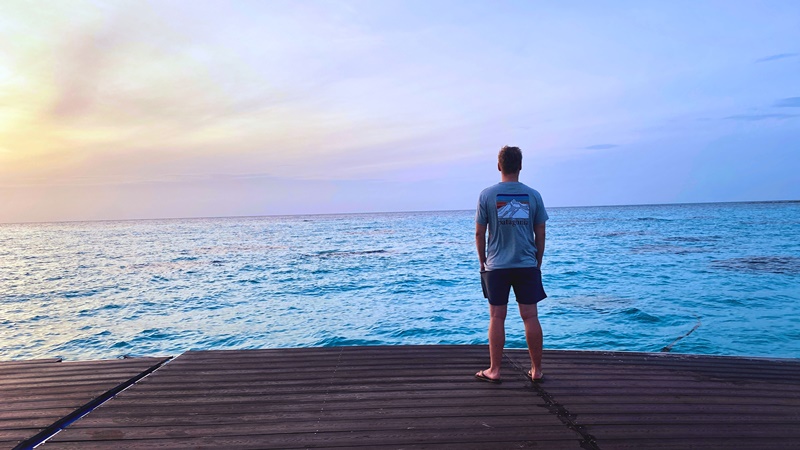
x=790, y=102
x=757, y=117
x=777, y=57
x=601, y=146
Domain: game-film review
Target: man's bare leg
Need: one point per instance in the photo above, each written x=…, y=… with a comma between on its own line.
x=497, y=339
x=533, y=334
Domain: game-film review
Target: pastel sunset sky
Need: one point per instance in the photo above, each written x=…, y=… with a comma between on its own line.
x=137, y=109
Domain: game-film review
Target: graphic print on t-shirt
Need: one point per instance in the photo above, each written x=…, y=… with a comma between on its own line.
x=513, y=206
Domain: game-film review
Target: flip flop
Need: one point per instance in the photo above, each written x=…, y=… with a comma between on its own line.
x=481, y=376
x=534, y=380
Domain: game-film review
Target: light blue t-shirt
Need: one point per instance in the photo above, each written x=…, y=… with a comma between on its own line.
x=510, y=210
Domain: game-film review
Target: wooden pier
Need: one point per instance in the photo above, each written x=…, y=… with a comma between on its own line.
x=409, y=397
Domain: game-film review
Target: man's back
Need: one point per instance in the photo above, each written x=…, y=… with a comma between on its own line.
x=510, y=209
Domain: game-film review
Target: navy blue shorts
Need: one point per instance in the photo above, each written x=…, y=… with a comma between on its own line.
x=526, y=281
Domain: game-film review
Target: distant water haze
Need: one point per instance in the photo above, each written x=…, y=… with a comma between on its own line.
x=694, y=278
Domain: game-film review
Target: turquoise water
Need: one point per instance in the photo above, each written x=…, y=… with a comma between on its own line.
x=631, y=278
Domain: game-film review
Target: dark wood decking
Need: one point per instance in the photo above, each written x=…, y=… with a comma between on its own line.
x=39, y=395
x=421, y=397
x=646, y=400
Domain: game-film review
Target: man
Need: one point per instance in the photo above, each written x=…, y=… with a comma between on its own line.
x=515, y=217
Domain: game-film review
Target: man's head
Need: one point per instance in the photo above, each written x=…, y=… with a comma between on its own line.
x=509, y=160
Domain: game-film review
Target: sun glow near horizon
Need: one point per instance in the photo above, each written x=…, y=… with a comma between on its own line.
x=150, y=109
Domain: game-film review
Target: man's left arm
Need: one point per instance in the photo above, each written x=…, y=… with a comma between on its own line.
x=538, y=239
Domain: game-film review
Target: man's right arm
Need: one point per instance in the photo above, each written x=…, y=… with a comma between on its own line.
x=538, y=239
x=480, y=243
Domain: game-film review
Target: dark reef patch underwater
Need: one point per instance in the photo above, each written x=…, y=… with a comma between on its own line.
x=768, y=264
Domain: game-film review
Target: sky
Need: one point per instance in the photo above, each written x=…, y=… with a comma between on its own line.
x=137, y=109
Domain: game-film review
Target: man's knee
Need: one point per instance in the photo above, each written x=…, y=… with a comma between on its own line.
x=498, y=311
x=528, y=312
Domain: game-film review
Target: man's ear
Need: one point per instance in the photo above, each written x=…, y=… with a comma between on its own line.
x=499, y=168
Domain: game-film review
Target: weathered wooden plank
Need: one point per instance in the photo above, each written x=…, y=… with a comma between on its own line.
x=224, y=407
x=29, y=422
x=12, y=434
x=633, y=357
x=582, y=413
x=674, y=390
x=210, y=443
x=590, y=409
x=67, y=367
x=501, y=438
x=454, y=388
x=125, y=417
x=718, y=430
x=655, y=399
x=62, y=390
x=547, y=445
x=46, y=375
x=304, y=397
x=372, y=409
x=280, y=428
x=710, y=364
x=688, y=418
x=32, y=414
x=27, y=362
x=699, y=443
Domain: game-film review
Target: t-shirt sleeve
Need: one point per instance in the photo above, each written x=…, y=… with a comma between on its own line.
x=481, y=216
x=541, y=214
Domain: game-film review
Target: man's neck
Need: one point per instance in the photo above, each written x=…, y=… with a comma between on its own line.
x=506, y=177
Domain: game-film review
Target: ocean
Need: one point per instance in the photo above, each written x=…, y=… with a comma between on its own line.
x=721, y=279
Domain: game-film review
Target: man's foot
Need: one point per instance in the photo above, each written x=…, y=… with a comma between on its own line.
x=483, y=377
x=535, y=379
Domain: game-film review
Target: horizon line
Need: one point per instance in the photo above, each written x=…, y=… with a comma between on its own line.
x=381, y=212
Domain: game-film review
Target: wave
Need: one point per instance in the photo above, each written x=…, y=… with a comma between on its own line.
x=640, y=316
x=345, y=253
x=417, y=332
x=668, y=249
x=694, y=238
x=340, y=341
